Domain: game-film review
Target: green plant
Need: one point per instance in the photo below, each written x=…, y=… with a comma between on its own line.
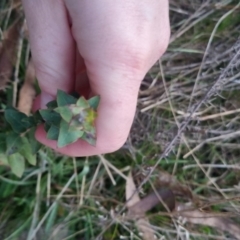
x=66, y=120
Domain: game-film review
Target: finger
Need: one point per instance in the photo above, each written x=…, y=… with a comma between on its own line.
x=52, y=44
x=116, y=62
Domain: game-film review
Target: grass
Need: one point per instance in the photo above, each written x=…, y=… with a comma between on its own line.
x=65, y=198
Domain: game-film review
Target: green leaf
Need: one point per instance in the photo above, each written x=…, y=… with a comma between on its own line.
x=17, y=164
x=53, y=133
x=14, y=143
x=29, y=120
x=52, y=104
x=37, y=118
x=19, y=121
x=65, y=113
x=82, y=103
x=47, y=127
x=35, y=145
x=51, y=117
x=89, y=138
x=67, y=136
x=84, y=172
x=76, y=110
x=26, y=152
x=94, y=102
x=3, y=146
x=65, y=99
x=51, y=219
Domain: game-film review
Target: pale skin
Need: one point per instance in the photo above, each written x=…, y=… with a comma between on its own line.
x=97, y=47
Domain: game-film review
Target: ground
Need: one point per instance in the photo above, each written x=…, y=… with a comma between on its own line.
x=184, y=142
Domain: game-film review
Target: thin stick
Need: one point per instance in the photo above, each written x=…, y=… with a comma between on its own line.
x=76, y=179
x=83, y=185
x=94, y=178
x=183, y=137
x=204, y=118
x=107, y=169
x=16, y=72
x=174, y=37
x=212, y=90
x=214, y=166
x=225, y=136
x=116, y=170
x=208, y=46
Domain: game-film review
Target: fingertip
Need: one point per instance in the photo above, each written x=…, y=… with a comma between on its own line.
x=41, y=101
x=45, y=98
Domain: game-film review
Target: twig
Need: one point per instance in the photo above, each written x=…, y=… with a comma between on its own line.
x=16, y=72
x=226, y=136
x=212, y=116
x=237, y=167
x=76, y=179
x=212, y=91
x=116, y=170
x=185, y=140
x=103, y=160
x=208, y=47
x=174, y=37
x=207, y=219
x=94, y=178
x=83, y=185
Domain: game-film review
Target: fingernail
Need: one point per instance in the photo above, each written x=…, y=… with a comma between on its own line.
x=45, y=98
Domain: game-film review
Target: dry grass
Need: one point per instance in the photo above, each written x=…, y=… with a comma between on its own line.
x=188, y=104
x=185, y=138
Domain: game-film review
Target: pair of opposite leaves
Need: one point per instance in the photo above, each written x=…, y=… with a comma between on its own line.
x=66, y=119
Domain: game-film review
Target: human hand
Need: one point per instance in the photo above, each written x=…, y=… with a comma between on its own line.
x=96, y=47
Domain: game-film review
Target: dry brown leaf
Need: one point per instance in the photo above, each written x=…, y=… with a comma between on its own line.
x=208, y=219
x=164, y=196
x=27, y=92
x=130, y=189
x=163, y=179
x=142, y=224
x=167, y=180
x=8, y=52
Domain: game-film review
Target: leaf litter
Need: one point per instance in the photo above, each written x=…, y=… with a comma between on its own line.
x=27, y=92
x=193, y=211
x=142, y=224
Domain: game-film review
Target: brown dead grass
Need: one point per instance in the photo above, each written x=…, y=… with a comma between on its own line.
x=201, y=167
x=201, y=54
